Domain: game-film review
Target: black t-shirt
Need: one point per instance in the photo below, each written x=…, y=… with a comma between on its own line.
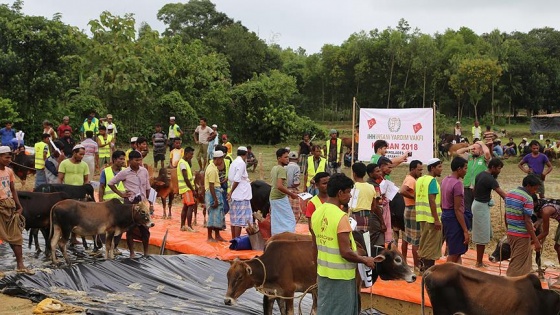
x=304, y=148
x=484, y=183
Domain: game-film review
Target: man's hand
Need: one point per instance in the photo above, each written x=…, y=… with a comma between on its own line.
x=538, y=246
x=437, y=225
x=19, y=210
x=294, y=195
x=370, y=262
x=215, y=203
x=467, y=237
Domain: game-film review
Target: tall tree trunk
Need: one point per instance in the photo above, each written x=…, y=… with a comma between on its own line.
x=424, y=90
x=492, y=104
x=475, y=105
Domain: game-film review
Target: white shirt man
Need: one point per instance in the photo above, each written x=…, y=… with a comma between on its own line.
x=240, y=208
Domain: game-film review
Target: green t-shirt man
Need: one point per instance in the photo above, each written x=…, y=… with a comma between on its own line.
x=73, y=173
x=276, y=173
x=475, y=166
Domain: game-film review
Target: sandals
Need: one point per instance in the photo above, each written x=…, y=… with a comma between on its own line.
x=26, y=271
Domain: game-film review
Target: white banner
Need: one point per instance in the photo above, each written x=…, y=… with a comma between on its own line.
x=406, y=129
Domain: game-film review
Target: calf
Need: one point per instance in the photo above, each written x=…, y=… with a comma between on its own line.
x=162, y=185
x=87, y=218
x=291, y=266
x=36, y=211
x=454, y=289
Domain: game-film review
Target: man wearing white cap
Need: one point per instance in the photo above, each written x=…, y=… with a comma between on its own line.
x=174, y=132
x=10, y=209
x=240, y=195
x=109, y=124
x=428, y=214
x=212, y=141
x=201, y=135
x=132, y=148
x=214, y=198
x=74, y=171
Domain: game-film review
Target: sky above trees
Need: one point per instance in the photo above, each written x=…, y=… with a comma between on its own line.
x=312, y=23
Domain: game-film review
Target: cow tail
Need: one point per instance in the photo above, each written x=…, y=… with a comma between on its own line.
x=423, y=298
x=51, y=227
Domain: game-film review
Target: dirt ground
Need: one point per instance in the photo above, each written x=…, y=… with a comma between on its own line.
x=13, y=305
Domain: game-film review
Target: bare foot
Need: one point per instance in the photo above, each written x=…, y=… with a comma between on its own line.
x=132, y=255
x=211, y=240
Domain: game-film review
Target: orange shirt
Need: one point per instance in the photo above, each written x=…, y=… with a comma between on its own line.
x=409, y=182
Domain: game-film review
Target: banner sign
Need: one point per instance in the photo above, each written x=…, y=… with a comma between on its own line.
x=406, y=130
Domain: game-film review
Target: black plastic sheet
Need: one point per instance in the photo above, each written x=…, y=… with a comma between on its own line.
x=179, y=284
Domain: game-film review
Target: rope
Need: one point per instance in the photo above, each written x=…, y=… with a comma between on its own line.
x=275, y=295
x=21, y=165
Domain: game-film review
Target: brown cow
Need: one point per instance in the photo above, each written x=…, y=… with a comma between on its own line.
x=291, y=267
x=454, y=147
x=162, y=185
x=87, y=219
x=454, y=289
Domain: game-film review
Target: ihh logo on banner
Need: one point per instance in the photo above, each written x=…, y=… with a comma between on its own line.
x=394, y=124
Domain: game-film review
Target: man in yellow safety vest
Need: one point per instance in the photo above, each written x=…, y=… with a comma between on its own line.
x=335, y=153
x=315, y=165
x=106, y=193
x=335, y=247
x=41, y=154
x=105, y=144
x=186, y=184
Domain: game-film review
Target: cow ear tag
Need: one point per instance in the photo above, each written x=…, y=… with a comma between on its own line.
x=378, y=258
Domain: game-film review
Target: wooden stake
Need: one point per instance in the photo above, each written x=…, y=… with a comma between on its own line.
x=353, y=126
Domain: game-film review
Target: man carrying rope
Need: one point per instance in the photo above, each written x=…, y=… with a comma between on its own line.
x=336, y=256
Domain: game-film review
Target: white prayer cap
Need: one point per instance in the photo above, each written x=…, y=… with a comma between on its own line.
x=218, y=154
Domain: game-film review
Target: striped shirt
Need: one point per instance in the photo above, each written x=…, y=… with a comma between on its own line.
x=90, y=146
x=518, y=204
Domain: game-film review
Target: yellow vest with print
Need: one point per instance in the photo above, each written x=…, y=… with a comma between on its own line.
x=39, y=149
x=423, y=211
x=106, y=150
x=338, y=148
x=175, y=129
x=183, y=188
x=109, y=194
x=311, y=171
x=330, y=263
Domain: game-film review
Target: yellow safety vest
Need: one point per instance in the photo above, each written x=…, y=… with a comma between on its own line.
x=423, y=211
x=338, y=147
x=175, y=128
x=330, y=263
x=311, y=171
x=106, y=150
x=316, y=201
x=183, y=187
x=39, y=149
x=126, y=156
x=90, y=127
x=109, y=194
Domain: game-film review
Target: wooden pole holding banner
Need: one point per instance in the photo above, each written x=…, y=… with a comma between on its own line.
x=435, y=132
x=353, y=127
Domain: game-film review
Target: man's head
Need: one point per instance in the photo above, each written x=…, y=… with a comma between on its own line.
x=459, y=166
x=203, y=121
x=189, y=152
x=102, y=130
x=172, y=120
x=293, y=156
x=242, y=152
x=222, y=148
x=118, y=158
x=46, y=123
x=282, y=156
x=5, y=155
x=92, y=113
x=8, y=125
x=67, y=134
x=158, y=127
x=477, y=150
x=435, y=167
x=89, y=118
x=359, y=170
x=65, y=120
x=135, y=159
x=476, y=124
x=416, y=168
x=458, y=124
x=109, y=118
x=339, y=187
x=316, y=151
x=510, y=139
x=224, y=138
x=547, y=141
x=488, y=128
x=133, y=142
x=142, y=144
x=305, y=137
x=249, y=148
x=89, y=134
x=214, y=127
x=218, y=159
x=495, y=166
x=374, y=171
x=46, y=138
x=535, y=147
x=78, y=152
x=333, y=133
x=531, y=183
x=177, y=143
x=321, y=180
x=385, y=165
x=380, y=147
